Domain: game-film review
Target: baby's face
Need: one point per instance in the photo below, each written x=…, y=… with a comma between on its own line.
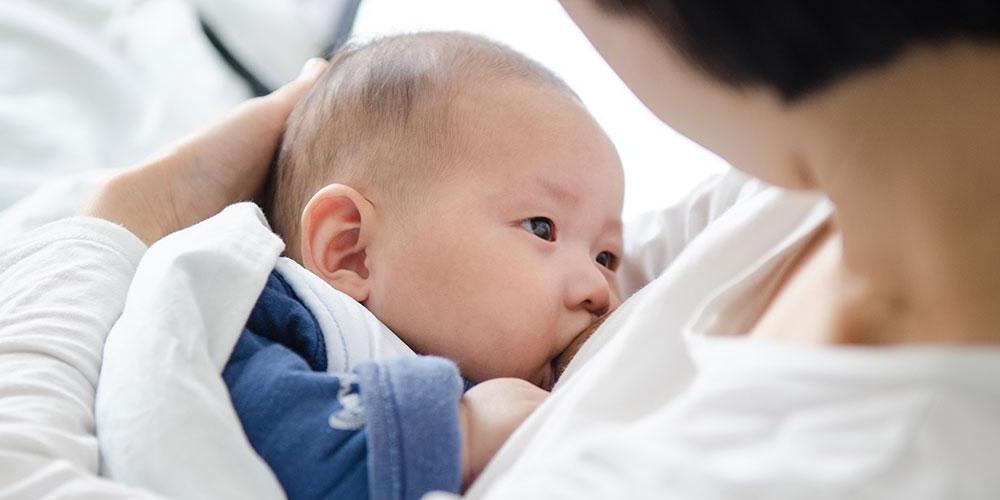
x=515, y=253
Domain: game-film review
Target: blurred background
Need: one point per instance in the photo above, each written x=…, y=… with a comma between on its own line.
x=92, y=86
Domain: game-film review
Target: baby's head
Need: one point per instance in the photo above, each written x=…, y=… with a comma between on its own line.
x=461, y=192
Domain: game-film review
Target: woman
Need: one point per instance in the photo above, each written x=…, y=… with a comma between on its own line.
x=839, y=350
x=885, y=110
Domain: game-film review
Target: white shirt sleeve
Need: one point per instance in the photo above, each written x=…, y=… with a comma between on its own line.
x=654, y=239
x=61, y=289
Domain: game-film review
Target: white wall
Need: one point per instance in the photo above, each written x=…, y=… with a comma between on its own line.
x=660, y=164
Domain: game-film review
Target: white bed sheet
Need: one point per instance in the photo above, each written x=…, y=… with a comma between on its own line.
x=101, y=84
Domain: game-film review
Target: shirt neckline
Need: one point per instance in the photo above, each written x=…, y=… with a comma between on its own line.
x=728, y=309
x=716, y=334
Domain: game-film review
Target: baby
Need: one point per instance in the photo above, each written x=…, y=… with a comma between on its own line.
x=452, y=214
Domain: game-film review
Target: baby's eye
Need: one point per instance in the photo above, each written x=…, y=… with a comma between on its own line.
x=542, y=227
x=608, y=260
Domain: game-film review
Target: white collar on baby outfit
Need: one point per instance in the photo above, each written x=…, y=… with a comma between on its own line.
x=352, y=333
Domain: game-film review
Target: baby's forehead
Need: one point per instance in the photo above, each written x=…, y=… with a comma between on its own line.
x=531, y=148
x=528, y=129
x=484, y=120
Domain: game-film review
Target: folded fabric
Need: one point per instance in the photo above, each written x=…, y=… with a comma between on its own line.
x=163, y=415
x=388, y=428
x=329, y=397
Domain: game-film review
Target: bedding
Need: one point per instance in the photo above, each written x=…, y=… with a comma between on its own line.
x=94, y=84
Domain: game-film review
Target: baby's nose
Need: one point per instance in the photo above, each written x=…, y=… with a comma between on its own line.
x=590, y=290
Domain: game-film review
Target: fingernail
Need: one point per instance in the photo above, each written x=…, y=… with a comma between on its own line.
x=311, y=69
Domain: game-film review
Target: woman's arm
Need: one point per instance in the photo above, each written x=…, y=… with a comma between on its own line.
x=63, y=286
x=61, y=289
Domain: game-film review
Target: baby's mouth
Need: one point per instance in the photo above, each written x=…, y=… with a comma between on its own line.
x=559, y=364
x=548, y=378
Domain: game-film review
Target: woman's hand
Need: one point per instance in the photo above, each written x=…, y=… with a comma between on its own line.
x=198, y=177
x=489, y=413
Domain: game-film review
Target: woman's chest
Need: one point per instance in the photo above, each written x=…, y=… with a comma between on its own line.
x=804, y=306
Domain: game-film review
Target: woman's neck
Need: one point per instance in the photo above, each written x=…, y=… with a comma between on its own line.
x=911, y=158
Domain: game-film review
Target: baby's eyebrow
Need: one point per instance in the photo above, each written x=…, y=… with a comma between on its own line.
x=560, y=193
x=614, y=226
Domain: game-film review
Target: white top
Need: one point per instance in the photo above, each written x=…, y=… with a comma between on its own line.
x=61, y=288
x=678, y=404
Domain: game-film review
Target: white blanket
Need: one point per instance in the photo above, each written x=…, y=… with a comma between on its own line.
x=162, y=410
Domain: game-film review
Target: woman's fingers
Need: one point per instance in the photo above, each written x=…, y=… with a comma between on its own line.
x=294, y=90
x=268, y=114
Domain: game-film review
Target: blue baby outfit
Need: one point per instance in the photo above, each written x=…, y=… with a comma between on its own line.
x=385, y=430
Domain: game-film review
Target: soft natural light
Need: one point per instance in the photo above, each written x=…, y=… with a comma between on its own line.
x=660, y=164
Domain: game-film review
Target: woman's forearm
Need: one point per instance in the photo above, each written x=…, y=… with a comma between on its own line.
x=61, y=289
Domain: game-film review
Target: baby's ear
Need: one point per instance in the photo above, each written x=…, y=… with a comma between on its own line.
x=336, y=225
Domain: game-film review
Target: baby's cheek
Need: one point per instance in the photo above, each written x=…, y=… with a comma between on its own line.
x=616, y=299
x=513, y=357
x=513, y=325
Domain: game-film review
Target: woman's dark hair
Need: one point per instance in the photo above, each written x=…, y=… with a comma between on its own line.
x=798, y=46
